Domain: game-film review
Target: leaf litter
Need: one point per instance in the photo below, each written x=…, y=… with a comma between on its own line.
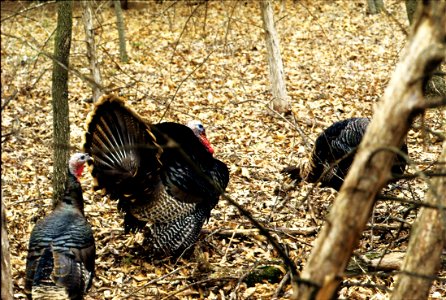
x=337, y=60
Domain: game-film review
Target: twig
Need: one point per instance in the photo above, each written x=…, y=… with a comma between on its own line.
x=183, y=81
x=205, y=17
x=197, y=283
x=290, y=264
x=415, y=203
x=438, y=278
x=88, y=79
x=369, y=285
x=438, y=134
x=417, y=175
x=9, y=99
x=387, y=227
x=177, y=42
x=154, y=281
x=38, y=78
x=117, y=65
x=228, y=28
x=223, y=259
x=256, y=231
x=233, y=295
x=50, y=37
x=294, y=231
x=282, y=284
x=25, y=201
x=27, y=9
x=435, y=102
x=391, y=17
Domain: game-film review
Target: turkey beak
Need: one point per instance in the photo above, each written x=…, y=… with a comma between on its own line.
x=88, y=159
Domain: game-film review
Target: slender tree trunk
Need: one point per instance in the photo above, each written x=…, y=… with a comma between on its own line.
x=61, y=125
x=370, y=170
x=427, y=241
x=374, y=6
x=91, y=48
x=124, y=4
x=121, y=31
x=6, y=265
x=276, y=72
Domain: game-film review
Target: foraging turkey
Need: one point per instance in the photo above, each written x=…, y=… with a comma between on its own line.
x=162, y=174
x=61, y=252
x=337, y=141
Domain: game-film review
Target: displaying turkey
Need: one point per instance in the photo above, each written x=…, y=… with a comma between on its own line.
x=338, y=141
x=162, y=174
x=61, y=252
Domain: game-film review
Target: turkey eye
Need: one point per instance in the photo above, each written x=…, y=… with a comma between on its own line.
x=83, y=157
x=200, y=126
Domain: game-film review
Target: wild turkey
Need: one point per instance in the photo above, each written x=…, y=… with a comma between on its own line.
x=61, y=252
x=162, y=174
x=337, y=141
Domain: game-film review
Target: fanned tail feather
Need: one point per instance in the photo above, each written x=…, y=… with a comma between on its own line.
x=121, y=145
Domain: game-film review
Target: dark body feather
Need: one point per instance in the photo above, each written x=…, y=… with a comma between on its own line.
x=337, y=143
x=160, y=173
x=61, y=253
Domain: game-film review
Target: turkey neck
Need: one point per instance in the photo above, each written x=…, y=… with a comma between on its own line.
x=73, y=193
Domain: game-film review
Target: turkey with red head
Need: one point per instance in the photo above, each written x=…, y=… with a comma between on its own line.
x=333, y=153
x=61, y=252
x=162, y=174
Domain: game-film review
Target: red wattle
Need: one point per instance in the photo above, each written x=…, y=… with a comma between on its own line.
x=207, y=144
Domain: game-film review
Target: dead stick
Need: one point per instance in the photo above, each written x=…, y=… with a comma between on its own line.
x=291, y=231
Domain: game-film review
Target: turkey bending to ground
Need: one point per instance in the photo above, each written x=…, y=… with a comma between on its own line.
x=162, y=174
x=337, y=141
x=61, y=252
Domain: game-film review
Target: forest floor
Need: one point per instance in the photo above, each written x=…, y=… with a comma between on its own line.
x=206, y=60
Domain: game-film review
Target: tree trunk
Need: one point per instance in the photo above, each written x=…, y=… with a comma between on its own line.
x=124, y=4
x=61, y=125
x=370, y=170
x=6, y=264
x=375, y=6
x=427, y=240
x=121, y=31
x=276, y=73
x=91, y=48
